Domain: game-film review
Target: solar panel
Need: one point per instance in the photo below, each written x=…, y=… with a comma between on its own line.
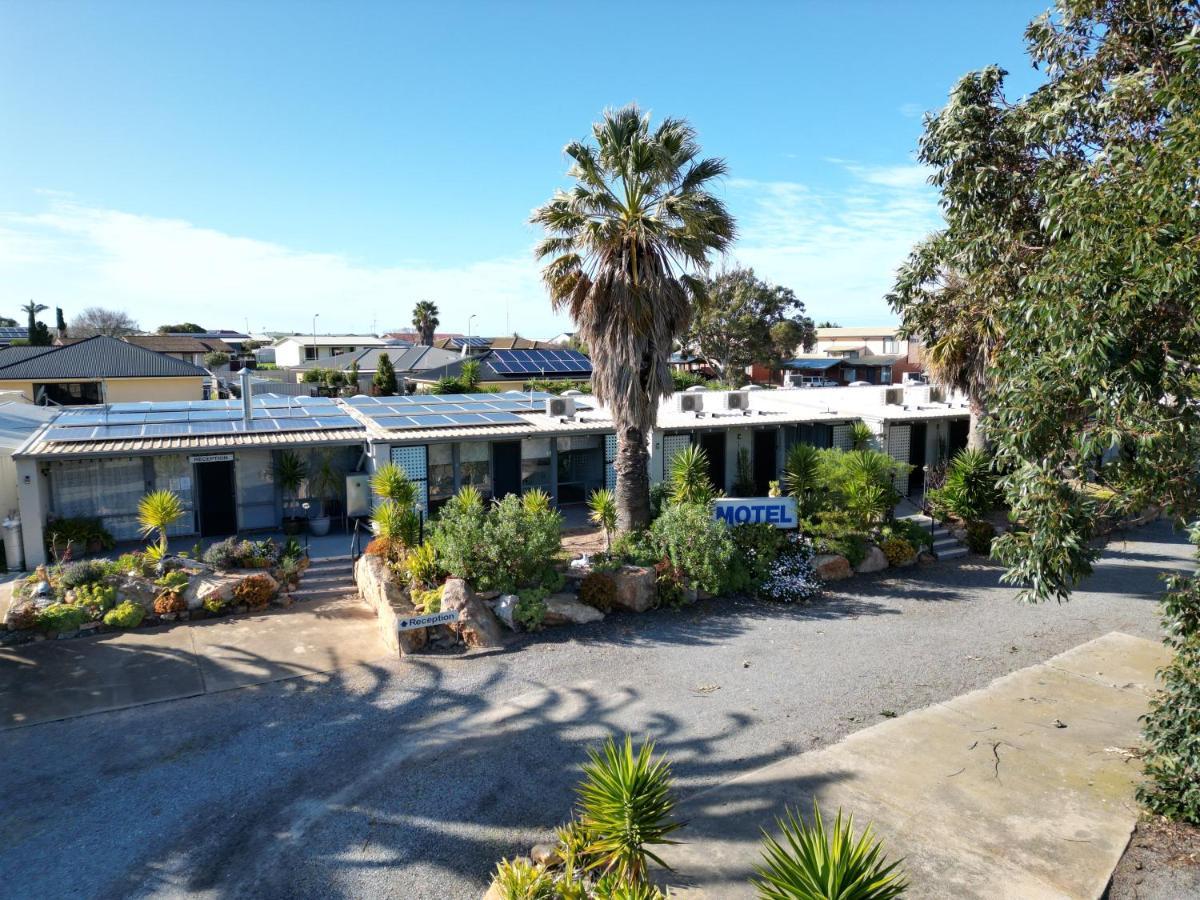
x=213, y=418
x=452, y=420
x=536, y=362
x=8, y=331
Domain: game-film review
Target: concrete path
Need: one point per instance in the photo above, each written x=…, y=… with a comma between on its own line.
x=53, y=680
x=1022, y=789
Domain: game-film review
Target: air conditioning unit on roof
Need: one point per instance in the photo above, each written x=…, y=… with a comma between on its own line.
x=686, y=402
x=894, y=396
x=737, y=400
x=560, y=407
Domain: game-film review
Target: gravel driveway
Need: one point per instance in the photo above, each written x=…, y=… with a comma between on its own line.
x=409, y=779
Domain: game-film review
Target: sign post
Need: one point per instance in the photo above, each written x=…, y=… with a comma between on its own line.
x=778, y=511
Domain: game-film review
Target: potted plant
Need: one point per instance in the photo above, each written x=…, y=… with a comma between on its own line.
x=290, y=472
x=326, y=483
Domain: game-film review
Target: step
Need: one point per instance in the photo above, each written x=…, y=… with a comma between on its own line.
x=953, y=553
x=331, y=593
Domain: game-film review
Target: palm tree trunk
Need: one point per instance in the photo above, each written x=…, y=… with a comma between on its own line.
x=632, y=466
x=976, y=439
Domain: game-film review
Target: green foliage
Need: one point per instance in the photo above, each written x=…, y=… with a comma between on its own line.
x=421, y=565
x=425, y=320
x=130, y=562
x=396, y=524
x=157, y=511
x=695, y=542
x=625, y=804
x=980, y=536
x=861, y=483
x=326, y=480
x=428, y=601
x=391, y=482
x=83, y=530
x=76, y=574
x=214, y=604
x=175, y=580
x=908, y=530
x=834, y=532
x=598, y=590
x=683, y=380
x=215, y=359
x=530, y=610
x=688, y=480
x=969, y=490
x=125, y=615
x=290, y=472
x=898, y=551
x=602, y=510
x=812, y=863
x=757, y=546
x=469, y=375
x=801, y=478
x=638, y=548
x=861, y=436
x=385, y=376
x=520, y=879
x=61, y=617
x=98, y=597
x=1172, y=726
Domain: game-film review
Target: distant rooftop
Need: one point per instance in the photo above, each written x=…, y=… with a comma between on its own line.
x=91, y=358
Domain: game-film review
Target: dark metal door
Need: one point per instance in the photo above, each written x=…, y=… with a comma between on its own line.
x=506, y=468
x=216, y=498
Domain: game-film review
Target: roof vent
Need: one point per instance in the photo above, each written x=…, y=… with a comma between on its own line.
x=247, y=398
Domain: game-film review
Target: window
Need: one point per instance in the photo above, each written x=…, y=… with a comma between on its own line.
x=850, y=374
x=890, y=346
x=310, y=352
x=107, y=488
x=885, y=375
x=474, y=466
x=535, y=464
x=63, y=393
x=441, y=472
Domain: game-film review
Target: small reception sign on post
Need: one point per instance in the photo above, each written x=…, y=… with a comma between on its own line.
x=777, y=511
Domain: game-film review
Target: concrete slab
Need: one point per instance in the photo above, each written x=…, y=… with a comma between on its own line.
x=984, y=796
x=53, y=680
x=303, y=640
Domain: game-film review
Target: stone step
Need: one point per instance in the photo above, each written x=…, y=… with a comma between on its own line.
x=952, y=552
x=330, y=593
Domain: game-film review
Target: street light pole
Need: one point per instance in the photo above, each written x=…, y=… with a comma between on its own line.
x=467, y=346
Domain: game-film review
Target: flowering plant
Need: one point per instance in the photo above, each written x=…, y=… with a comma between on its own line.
x=792, y=577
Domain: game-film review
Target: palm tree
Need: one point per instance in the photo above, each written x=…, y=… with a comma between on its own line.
x=621, y=249
x=157, y=511
x=32, y=309
x=425, y=320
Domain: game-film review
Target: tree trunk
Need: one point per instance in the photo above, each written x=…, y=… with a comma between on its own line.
x=632, y=466
x=976, y=439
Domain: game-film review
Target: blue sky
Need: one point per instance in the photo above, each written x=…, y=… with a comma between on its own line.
x=255, y=163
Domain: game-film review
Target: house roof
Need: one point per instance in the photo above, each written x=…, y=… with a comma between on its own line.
x=404, y=359
x=179, y=343
x=21, y=351
x=331, y=340
x=96, y=357
x=819, y=364
x=857, y=332
x=414, y=337
x=501, y=371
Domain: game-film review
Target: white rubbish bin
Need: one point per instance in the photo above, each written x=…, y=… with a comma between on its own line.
x=14, y=550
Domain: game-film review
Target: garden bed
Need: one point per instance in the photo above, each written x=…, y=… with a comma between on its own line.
x=145, y=589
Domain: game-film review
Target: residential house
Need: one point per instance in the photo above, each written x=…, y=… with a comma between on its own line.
x=98, y=369
x=188, y=347
x=870, y=345
x=407, y=361
x=508, y=368
x=295, y=349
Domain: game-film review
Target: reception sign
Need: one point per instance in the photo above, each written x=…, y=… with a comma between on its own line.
x=777, y=511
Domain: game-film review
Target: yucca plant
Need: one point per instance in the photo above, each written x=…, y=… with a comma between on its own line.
x=396, y=523
x=609, y=888
x=535, y=501
x=603, y=506
x=158, y=511
x=815, y=864
x=392, y=483
x=861, y=436
x=801, y=477
x=519, y=879
x=625, y=804
x=467, y=499
x=688, y=480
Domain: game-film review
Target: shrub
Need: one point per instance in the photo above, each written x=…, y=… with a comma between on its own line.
x=420, y=566
x=76, y=574
x=834, y=533
x=980, y=536
x=61, y=617
x=131, y=562
x=910, y=531
x=636, y=548
x=458, y=533
x=814, y=864
x=169, y=602
x=1172, y=759
x=174, y=581
x=602, y=511
x=898, y=551
x=860, y=482
x=625, y=804
x=223, y=554
x=427, y=601
x=215, y=604
x=695, y=542
x=125, y=615
x=96, y=596
x=669, y=588
x=599, y=591
x=801, y=478
x=392, y=483
x=792, y=578
x=530, y=610
x=969, y=490
x=861, y=436
x=392, y=550
x=757, y=545
x=520, y=879
x=255, y=590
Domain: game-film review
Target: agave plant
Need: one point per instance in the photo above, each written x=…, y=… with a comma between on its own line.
x=815, y=864
x=625, y=804
x=603, y=506
x=689, y=481
x=535, y=501
x=392, y=483
x=801, y=478
x=157, y=511
x=519, y=879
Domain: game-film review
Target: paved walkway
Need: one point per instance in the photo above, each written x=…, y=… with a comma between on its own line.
x=1022, y=789
x=53, y=680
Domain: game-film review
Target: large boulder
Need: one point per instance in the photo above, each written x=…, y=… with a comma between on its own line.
x=477, y=625
x=635, y=588
x=831, y=567
x=391, y=604
x=564, y=609
x=504, y=606
x=875, y=561
x=137, y=589
x=206, y=586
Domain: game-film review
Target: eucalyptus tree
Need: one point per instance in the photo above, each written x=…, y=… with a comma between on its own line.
x=623, y=250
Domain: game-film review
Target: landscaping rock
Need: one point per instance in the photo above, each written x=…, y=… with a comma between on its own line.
x=564, y=609
x=926, y=558
x=875, y=561
x=635, y=588
x=545, y=855
x=477, y=625
x=203, y=587
x=137, y=589
x=390, y=602
x=503, y=607
x=831, y=567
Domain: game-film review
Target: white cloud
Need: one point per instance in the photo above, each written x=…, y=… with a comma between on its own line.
x=837, y=249
x=161, y=270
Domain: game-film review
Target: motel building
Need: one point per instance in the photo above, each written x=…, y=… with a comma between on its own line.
x=221, y=456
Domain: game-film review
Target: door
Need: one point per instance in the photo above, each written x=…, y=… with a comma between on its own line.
x=916, y=458
x=959, y=431
x=765, y=472
x=216, y=498
x=713, y=445
x=506, y=468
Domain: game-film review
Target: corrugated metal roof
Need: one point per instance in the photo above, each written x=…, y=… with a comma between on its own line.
x=179, y=343
x=268, y=440
x=98, y=357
